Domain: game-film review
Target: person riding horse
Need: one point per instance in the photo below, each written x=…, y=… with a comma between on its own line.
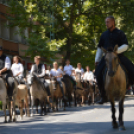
x=39, y=70
x=88, y=76
x=68, y=69
x=6, y=73
x=58, y=74
x=18, y=69
x=109, y=39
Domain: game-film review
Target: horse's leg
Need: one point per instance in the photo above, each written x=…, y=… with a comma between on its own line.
x=75, y=99
x=10, y=111
x=92, y=97
x=4, y=109
x=41, y=104
x=83, y=98
x=32, y=104
x=27, y=107
x=37, y=104
x=114, y=123
x=121, y=110
x=14, y=112
x=21, y=109
x=57, y=104
x=45, y=111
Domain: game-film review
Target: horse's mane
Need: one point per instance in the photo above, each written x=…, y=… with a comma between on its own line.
x=65, y=76
x=38, y=81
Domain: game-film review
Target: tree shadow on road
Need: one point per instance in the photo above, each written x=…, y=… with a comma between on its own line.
x=66, y=128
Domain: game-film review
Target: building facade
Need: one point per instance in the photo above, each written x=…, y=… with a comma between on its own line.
x=12, y=43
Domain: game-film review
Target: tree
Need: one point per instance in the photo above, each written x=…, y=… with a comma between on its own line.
x=77, y=25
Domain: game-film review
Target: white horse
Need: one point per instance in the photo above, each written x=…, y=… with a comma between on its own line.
x=37, y=91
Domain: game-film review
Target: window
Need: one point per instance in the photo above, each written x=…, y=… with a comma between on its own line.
x=4, y=30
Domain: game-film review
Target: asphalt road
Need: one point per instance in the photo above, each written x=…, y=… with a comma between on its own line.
x=80, y=120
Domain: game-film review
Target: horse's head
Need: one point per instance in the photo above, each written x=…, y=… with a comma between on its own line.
x=78, y=77
x=112, y=60
x=29, y=79
x=53, y=82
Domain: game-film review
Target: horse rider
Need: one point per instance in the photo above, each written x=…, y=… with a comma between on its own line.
x=109, y=39
x=58, y=74
x=39, y=70
x=18, y=69
x=68, y=70
x=5, y=72
x=79, y=69
x=88, y=75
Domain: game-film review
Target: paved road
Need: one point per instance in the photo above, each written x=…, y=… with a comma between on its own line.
x=81, y=120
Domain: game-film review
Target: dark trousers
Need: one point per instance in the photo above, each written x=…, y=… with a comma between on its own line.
x=46, y=85
x=128, y=65
x=10, y=82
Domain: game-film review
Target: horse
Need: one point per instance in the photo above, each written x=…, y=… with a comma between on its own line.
x=92, y=90
x=69, y=87
x=3, y=96
x=37, y=91
x=81, y=92
x=56, y=92
x=115, y=84
x=20, y=93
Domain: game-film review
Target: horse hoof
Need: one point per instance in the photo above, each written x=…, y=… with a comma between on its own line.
x=28, y=115
x=5, y=121
x=122, y=128
x=9, y=120
x=14, y=120
x=115, y=125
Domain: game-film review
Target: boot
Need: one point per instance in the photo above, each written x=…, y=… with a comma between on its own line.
x=10, y=98
x=102, y=100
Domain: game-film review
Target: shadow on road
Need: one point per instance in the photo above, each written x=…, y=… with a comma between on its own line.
x=67, y=128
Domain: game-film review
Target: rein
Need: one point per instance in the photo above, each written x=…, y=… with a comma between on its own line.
x=116, y=67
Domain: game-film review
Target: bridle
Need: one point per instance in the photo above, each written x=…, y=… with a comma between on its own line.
x=116, y=68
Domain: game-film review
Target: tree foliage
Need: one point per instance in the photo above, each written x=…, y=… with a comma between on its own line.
x=76, y=24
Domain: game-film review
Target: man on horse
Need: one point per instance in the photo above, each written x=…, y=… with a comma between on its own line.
x=109, y=39
x=39, y=70
x=68, y=69
x=58, y=74
x=6, y=73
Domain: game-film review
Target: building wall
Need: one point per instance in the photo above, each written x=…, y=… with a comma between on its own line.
x=10, y=40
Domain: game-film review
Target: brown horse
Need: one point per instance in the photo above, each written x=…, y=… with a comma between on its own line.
x=56, y=92
x=69, y=88
x=115, y=84
x=81, y=92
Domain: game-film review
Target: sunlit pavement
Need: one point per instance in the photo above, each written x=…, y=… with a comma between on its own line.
x=80, y=120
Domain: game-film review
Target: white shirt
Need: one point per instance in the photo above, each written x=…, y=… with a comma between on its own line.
x=77, y=70
x=42, y=68
x=7, y=63
x=88, y=76
x=17, y=68
x=68, y=69
x=48, y=72
x=57, y=72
